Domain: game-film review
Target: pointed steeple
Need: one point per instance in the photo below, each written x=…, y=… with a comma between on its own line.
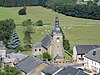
x=56, y=21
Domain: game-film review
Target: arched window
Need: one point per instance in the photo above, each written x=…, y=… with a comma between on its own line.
x=39, y=49
x=57, y=38
x=35, y=49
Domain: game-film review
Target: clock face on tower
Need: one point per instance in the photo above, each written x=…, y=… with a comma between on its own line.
x=57, y=40
x=57, y=52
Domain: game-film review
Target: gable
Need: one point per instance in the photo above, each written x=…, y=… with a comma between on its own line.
x=46, y=41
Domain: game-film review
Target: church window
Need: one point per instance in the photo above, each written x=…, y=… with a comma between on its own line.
x=57, y=38
x=35, y=49
x=39, y=49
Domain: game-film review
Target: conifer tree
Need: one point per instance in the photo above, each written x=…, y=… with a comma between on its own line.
x=14, y=41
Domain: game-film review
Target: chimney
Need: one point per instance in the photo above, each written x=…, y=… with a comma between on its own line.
x=94, y=53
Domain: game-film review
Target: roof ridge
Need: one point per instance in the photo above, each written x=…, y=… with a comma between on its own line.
x=78, y=72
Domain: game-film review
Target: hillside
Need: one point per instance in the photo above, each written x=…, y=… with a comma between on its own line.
x=77, y=30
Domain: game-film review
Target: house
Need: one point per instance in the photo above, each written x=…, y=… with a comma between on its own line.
x=12, y=59
x=31, y=66
x=17, y=56
x=92, y=60
x=80, y=50
x=8, y=61
x=51, y=69
x=70, y=71
x=51, y=44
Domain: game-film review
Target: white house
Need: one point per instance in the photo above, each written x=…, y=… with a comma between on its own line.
x=92, y=60
x=79, y=51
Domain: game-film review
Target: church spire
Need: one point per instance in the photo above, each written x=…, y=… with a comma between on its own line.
x=56, y=21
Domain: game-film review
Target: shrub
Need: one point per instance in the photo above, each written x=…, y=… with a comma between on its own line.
x=39, y=23
x=22, y=11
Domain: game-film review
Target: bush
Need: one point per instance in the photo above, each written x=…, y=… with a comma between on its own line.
x=39, y=23
x=46, y=55
x=22, y=11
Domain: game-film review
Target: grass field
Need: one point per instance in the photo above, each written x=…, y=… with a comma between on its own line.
x=77, y=30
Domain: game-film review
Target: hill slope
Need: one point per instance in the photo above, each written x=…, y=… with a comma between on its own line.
x=77, y=30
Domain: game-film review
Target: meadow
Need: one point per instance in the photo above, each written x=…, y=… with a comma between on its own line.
x=76, y=30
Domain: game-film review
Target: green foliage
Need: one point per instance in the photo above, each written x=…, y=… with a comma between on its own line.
x=6, y=29
x=22, y=11
x=27, y=39
x=66, y=44
x=46, y=55
x=39, y=23
x=70, y=51
x=27, y=22
x=14, y=41
x=27, y=33
x=20, y=49
x=90, y=11
x=16, y=3
x=9, y=71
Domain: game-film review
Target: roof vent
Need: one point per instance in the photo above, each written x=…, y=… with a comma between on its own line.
x=94, y=52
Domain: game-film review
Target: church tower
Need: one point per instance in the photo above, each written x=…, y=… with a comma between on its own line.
x=58, y=50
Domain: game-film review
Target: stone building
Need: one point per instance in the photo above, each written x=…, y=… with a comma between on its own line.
x=31, y=66
x=52, y=44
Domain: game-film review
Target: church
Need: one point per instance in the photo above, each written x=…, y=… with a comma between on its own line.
x=51, y=44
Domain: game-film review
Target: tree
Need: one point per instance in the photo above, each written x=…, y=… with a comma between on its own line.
x=14, y=40
x=9, y=71
x=39, y=23
x=27, y=33
x=66, y=44
x=46, y=55
x=6, y=29
x=22, y=11
x=27, y=39
x=28, y=25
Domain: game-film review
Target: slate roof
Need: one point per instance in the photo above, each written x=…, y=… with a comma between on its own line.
x=82, y=49
x=57, y=29
x=9, y=60
x=18, y=56
x=70, y=71
x=95, y=57
x=37, y=45
x=28, y=64
x=46, y=41
x=50, y=69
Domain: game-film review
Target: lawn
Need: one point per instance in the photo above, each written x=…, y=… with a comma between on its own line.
x=76, y=30
x=67, y=57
